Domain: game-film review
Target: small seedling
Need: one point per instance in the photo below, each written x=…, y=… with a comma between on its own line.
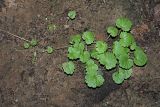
x=34, y=42
x=117, y=56
x=72, y=14
x=49, y=49
x=26, y=45
x=51, y=27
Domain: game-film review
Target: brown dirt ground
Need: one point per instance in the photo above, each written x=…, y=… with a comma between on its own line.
x=43, y=84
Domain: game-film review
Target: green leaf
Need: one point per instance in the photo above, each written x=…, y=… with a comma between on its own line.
x=102, y=59
x=108, y=59
x=127, y=73
x=125, y=62
x=75, y=51
x=90, y=62
x=140, y=58
x=75, y=39
x=72, y=14
x=119, y=50
x=88, y=36
x=91, y=69
x=118, y=77
x=133, y=46
x=121, y=75
x=49, y=49
x=94, y=54
x=101, y=47
x=84, y=57
x=94, y=80
x=68, y=67
x=126, y=39
x=124, y=23
x=113, y=31
x=51, y=27
x=34, y=42
x=26, y=45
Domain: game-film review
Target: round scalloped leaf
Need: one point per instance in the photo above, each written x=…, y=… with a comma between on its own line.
x=126, y=39
x=127, y=73
x=91, y=68
x=101, y=47
x=84, y=57
x=68, y=67
x=102, y=59
x=49, y=49
x=124, y=23
x=94, y=80
x=133, y=46
x=75, y=39
x=94, y=54
x=125, y=62
x=26, y=45
x=118, y=76
x=140, y=58
x=34, y=42
x=108, y=59
x=113, y=31
x=72, y=14
x=90, y=62
x=75, y=51
x=88, y=36
x=119, y=50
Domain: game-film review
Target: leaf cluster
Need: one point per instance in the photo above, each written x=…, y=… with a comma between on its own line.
x=122, y=55
x=30, y=44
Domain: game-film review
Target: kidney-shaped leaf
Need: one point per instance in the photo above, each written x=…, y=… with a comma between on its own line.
x=140, y=58
x=68, y=67
x=94, y=80
x=119, y=50
x=113, y=31
x=124, y=23
x=118, y=76
x=75, y=50
x=125, y=62
x=75, y=39
x=108, y=59
x=84, y=57
x=101, y=47
x=126, y=39
x=88, y=36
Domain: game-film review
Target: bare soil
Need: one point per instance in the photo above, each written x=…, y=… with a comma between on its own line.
x=43, y=83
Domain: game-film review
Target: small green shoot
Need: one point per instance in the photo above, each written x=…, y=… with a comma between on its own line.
x=34, y=42
x=72, y=14
x=26, y=45
x=49, y=50
x=51, y=27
